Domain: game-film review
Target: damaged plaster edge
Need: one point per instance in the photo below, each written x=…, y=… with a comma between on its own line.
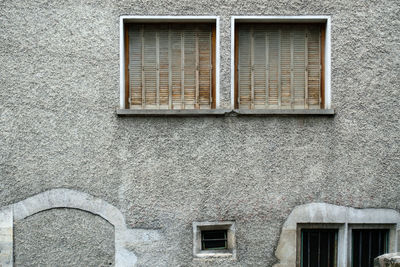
x=329, y=213
x=68, y=198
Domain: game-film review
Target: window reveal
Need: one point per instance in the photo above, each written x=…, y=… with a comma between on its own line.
x=279, y=66
x=170, y=66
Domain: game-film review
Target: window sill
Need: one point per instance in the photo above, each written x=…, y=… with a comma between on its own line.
x=221, y=112
x=214, y=254
x=266, y=112
x=172, y=112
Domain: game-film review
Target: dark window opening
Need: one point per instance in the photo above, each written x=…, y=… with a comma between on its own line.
x=214, y=239
x=367, y=245
x=319, y=247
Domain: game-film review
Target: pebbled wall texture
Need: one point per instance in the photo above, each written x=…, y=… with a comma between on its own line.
x=59, y=89
x=63, y=237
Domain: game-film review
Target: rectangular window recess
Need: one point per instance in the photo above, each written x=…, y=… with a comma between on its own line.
x=367, y=244
x=319, y=247
x=216, y=240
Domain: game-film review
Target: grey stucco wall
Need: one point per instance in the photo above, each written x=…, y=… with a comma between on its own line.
x=59, y=81
x=63, y=237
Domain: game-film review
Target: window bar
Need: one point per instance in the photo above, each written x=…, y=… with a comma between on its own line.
x=308, y=249
x=319, y=248
x=197, y=106
x=266, y=70
x=279, y=68
x=291, y=69
x=329, y=249
x=369, y=246
x=379, y=243
x=182, y=70
x=169, y=68
x=360, y=250
x=252, y=66
x=158, y=69
x=143, y=73
x=302, y=249
x=306, y=68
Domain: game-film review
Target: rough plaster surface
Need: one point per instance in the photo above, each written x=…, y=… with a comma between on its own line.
x=59, y=84
x=63, y=237
x=124, y=238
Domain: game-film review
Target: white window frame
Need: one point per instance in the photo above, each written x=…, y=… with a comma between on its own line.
x=285, y=19
x=160, y=19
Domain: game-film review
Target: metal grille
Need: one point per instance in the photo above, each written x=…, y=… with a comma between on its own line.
x=319, y=247
x=367, y=245
x=214, y=239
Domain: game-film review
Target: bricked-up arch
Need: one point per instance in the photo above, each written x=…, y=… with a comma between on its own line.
x=67, y=198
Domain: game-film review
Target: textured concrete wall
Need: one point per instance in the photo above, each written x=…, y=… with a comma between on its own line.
x=63, y=237
x=59, y=84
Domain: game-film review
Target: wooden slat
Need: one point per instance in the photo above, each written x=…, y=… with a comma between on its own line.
x=135, y=66
x=299, y=67
x=213, y=66
x=314, y=66
x=126, y=55
x=236, y=89
x=322, y=53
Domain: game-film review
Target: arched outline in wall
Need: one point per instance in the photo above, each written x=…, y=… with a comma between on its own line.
x=323, y=213
x=67, y=198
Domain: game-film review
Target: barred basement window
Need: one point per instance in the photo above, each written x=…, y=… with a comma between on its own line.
x=170, y=65
x=319, y=247
x=279, y=65
x=216, y=239
x=367, y=244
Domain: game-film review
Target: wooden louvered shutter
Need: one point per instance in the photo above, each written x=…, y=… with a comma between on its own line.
x=279, y=66
x=170, y=66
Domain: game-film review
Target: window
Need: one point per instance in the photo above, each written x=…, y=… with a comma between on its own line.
x=319, y=247
x=311, y=228
x=214, y=239
x=169, y=63
x=280, y=63
x=367, y=244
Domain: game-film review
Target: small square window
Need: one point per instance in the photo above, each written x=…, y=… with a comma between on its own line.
x=214, y=239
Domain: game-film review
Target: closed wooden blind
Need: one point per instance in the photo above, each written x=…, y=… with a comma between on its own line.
x=170, y=66
x=279, y=66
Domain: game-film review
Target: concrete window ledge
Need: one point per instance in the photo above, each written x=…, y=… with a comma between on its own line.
x=221, y=112
x=266, y=112
x=172, y=112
